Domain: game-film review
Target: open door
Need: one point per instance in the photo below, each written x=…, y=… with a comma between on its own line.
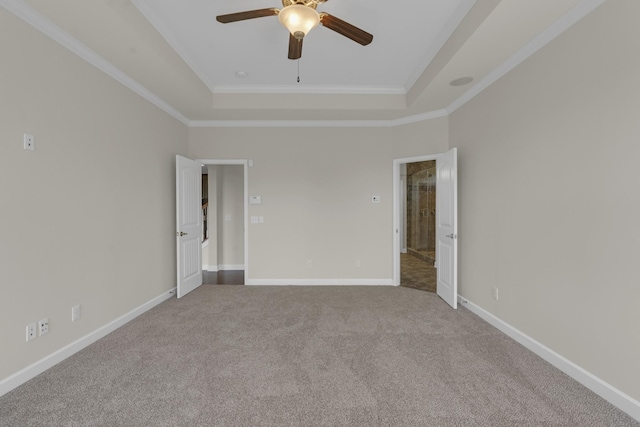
x=447, y=226
x=188, y=224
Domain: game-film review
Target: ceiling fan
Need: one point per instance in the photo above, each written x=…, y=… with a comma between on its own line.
x=299, y=17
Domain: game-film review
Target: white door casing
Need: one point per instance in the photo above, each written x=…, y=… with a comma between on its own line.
x=188, y=224
x=245, y=164
x=447, y=226
x=398, y=200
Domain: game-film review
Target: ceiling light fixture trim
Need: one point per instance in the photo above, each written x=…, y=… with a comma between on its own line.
x=299, y=20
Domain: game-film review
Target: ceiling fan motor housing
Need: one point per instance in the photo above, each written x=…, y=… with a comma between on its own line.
x=309, y=3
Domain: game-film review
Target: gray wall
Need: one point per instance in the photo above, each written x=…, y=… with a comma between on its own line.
x=316, y=186
x=549, y=200
x=88, y=217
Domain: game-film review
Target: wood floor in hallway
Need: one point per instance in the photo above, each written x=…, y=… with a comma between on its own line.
x=224, y=277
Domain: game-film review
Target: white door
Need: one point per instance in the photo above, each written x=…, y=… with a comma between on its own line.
x=189, y=224
x=447, y=226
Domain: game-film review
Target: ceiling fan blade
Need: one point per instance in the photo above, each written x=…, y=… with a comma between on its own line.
x=249, y=14
x=295, y=47
x=346, y=29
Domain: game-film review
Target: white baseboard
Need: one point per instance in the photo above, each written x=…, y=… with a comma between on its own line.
x=24, y=375
x=319, y=282
x=605, y=390
x=231, y=267
x=222, y=267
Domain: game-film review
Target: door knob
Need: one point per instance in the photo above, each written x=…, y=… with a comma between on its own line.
x=181, y=234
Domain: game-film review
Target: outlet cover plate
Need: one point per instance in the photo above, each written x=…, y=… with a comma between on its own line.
x=43, y=326
x=29, y=142
x=31, y=332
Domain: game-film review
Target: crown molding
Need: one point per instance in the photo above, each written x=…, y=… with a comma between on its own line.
x=311, y=90
x=316, y=123
x=51, y=30
x=420, y=117
x=288, y=123
x=48, y=28
x=565, y=22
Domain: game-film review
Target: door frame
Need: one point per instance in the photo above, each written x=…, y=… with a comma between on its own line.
x=245, y=164
x=396, y=209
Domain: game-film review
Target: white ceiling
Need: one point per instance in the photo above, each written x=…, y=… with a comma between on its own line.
x=390, y=64
x=178, y=56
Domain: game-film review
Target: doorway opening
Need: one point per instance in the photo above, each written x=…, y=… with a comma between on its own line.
x=224, y=253
x=445, y=208
x=418, y=252
x=421, y=210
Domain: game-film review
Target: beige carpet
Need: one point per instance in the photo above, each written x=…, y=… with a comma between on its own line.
x=306, y=356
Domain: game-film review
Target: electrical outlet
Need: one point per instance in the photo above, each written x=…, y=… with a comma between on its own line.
x=43, y=326
x=75, y=313
x=495, y=294
x=31, y=332
x=29, y=142
x=309, y=263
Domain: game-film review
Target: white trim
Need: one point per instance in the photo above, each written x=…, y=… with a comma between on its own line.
x=24, y=375
x=319, y=282
x=287, y=123
x=420, y=117
x=565, y=22
x=311, y=90
x=36, y=20
x=316, y=123
x=396, y=210
x=223, y=267
x=245, y=165
x=230, y=267
x=603, y=389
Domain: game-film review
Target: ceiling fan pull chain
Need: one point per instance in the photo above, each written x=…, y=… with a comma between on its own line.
x=298, y=70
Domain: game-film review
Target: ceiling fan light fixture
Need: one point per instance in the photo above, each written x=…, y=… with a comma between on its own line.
x=299, y=19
